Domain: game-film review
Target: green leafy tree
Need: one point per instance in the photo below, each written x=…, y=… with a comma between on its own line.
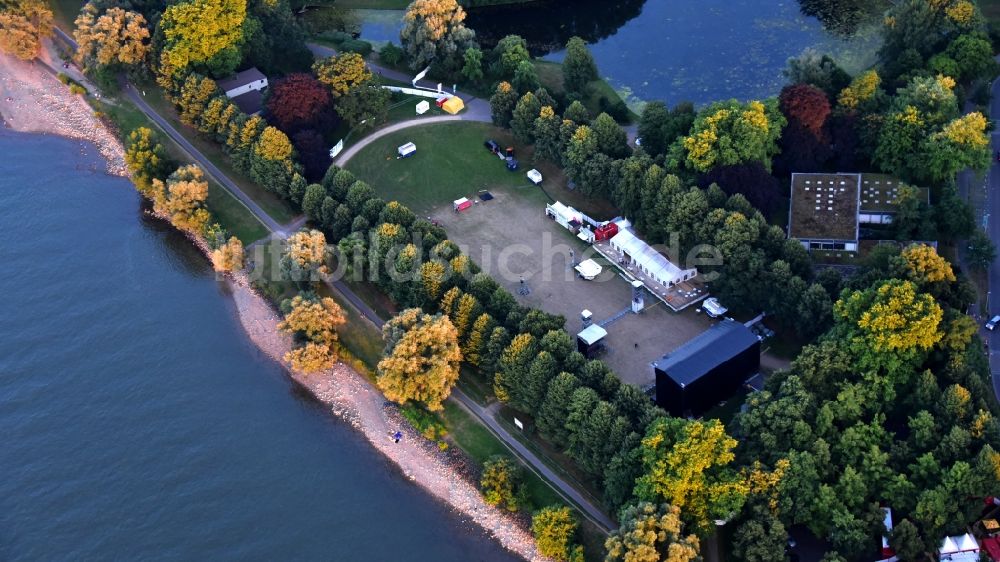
x=525, y=77
x=650, y=533
x=551, y=416
x=548, y=142
x=365, y=105
x=577, y=113
x=501, y=483
x=508, y=384
x=509, y=53
x=727, y=133
x=523, y=120
x=579, y=69
x=981, y=251
x=472, y=64
x=502, y=104
x=434, y=31
x=905, y=540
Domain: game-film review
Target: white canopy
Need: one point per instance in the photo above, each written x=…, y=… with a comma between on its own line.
x=592, y=334
x=655, y=264
x=589, y=269
x=407, y=148
x=535, y=176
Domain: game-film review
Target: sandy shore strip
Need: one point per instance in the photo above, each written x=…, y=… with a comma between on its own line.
x=32, y=100
x=446, y=475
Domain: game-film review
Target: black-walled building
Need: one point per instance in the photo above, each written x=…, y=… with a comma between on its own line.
x=707, y=369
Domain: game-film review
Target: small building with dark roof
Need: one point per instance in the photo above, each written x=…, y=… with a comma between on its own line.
x=706, y=370
x=245, y=88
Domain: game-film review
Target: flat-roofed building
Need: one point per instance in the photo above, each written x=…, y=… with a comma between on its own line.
x=828, y=211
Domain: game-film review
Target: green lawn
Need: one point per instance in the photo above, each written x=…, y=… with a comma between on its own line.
x=227, y=209
x=480, y=444
x=278, y=208
x=451, y=163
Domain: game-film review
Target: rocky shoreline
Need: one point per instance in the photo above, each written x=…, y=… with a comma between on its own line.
x=32, y=100
x=446, y=475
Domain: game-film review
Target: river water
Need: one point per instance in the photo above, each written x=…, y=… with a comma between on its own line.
x=137, y=421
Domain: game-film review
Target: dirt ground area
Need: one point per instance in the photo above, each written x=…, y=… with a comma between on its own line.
x=510, y=237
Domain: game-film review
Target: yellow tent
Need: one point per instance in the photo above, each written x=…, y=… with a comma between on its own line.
x=453, y=105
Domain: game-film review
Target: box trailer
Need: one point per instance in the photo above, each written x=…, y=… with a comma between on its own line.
x=408, y=149
x=461, y=204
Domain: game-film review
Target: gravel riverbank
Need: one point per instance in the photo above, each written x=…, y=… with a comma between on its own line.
x=446, y=475
x=32, y=100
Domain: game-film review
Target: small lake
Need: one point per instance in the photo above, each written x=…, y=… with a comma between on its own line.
x=669, y=50
x=138, y=421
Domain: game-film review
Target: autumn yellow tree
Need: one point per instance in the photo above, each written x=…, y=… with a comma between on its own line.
x=315, y=321
x=205, y=33
x=892, y=317
x=651, y=533
x=864, y=87
x=182, y=199
x=729, y=133
x=145, y=158
x=433, y=31
x=924, y=265
x=433, y=275
x=342, y=72
x=421, y=358
x=115, y=37
x=686, y=464
x=23, y=24
x=305, y=253
x=229, y=256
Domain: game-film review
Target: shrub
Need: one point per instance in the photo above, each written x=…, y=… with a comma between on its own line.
x=361, y=47
x=77, y=89
x=391, y=54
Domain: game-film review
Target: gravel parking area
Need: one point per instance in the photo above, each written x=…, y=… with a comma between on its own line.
x=511, y=238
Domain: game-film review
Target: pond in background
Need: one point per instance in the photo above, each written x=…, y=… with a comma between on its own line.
x=677, y=50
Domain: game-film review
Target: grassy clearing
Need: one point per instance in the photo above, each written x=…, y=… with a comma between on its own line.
x=550, y=74
x=451, y=163
x=272, y=204
x=227, y=209
x=480, y=444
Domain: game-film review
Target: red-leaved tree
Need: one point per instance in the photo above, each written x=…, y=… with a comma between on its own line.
x=299, y=101
x=805, y=105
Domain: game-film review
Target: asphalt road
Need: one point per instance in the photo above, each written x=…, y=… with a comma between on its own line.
x=993, y=230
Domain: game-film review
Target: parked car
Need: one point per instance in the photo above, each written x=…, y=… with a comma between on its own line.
x=993, y=323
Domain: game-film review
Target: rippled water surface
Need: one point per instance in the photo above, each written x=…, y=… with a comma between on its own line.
x=137, y=421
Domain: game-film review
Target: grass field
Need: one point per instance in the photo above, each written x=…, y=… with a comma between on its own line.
x=451, y=163
x=229, y=211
